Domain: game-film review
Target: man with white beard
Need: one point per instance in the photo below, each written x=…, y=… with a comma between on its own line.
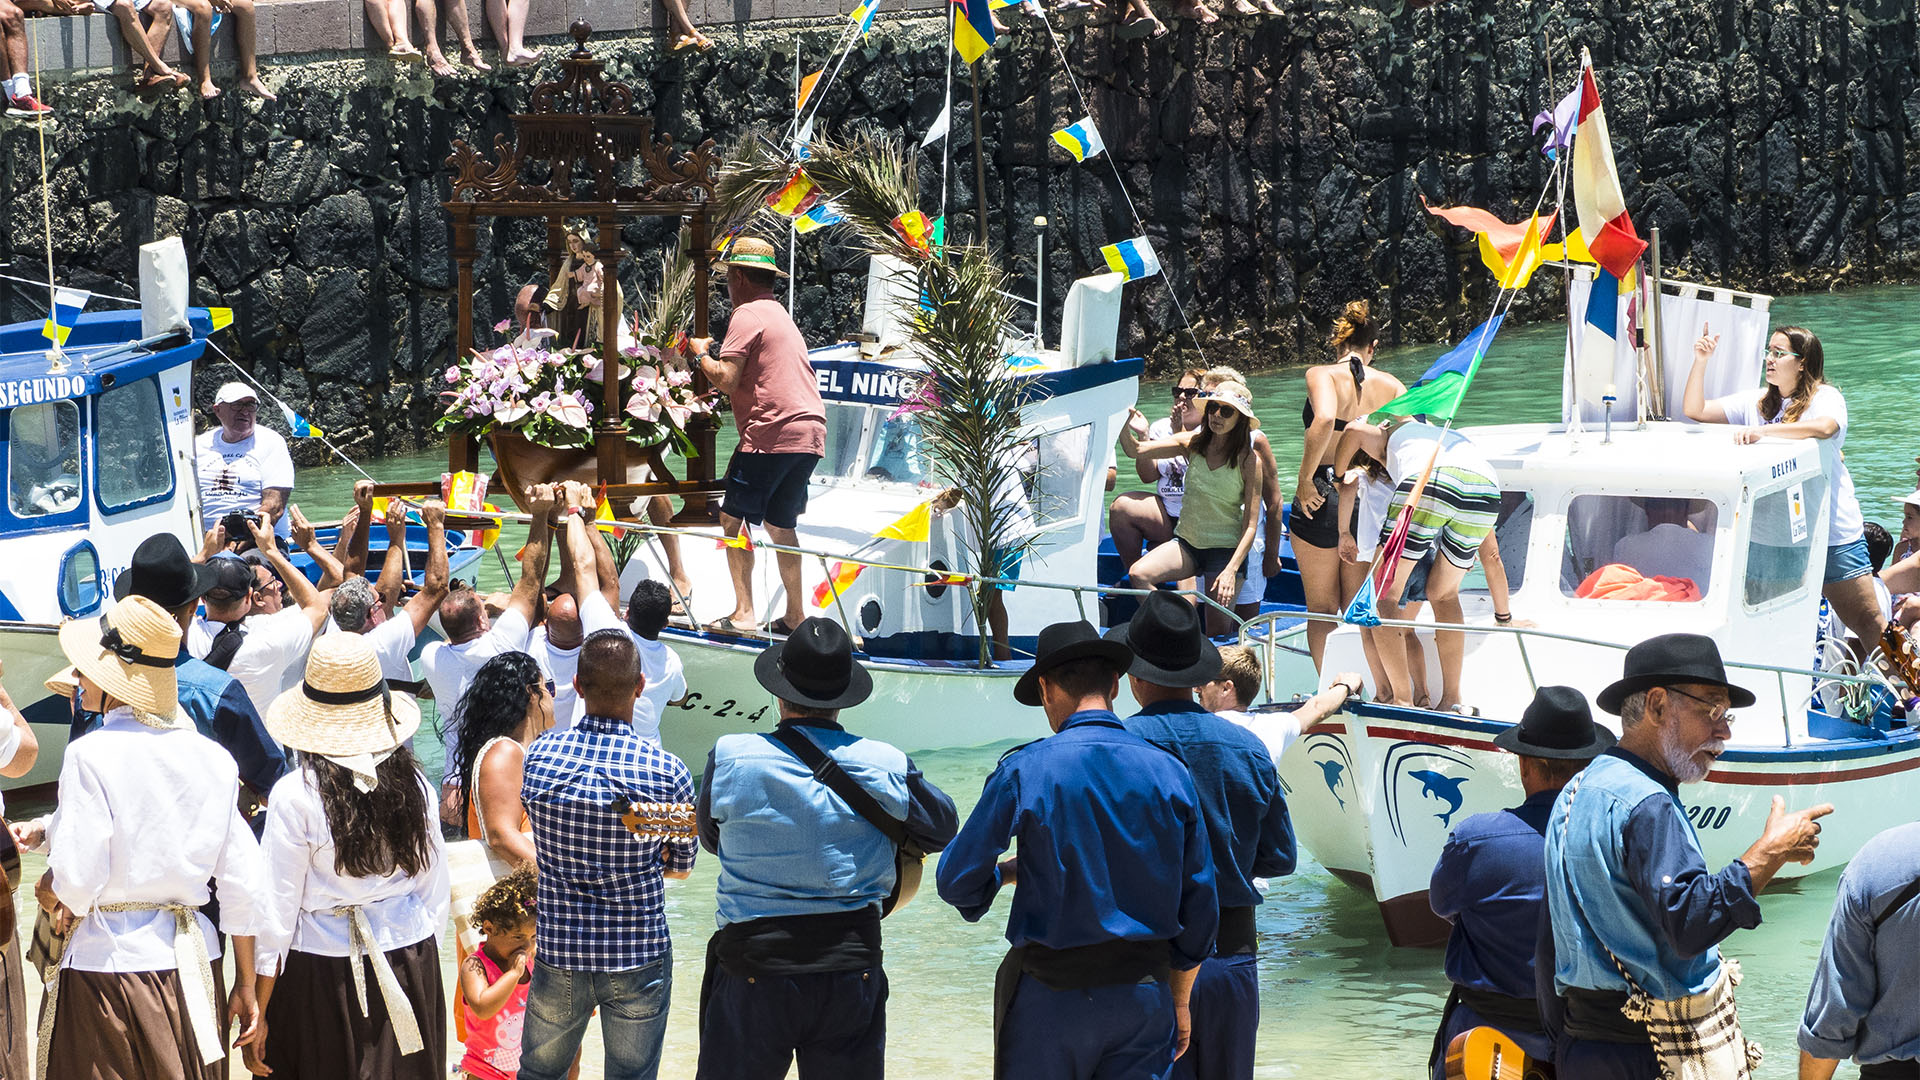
x=1633, y=905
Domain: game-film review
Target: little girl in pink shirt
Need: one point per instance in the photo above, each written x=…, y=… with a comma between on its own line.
x=495, y=979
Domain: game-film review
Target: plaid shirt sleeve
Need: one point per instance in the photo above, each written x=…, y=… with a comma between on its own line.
x=677, y=855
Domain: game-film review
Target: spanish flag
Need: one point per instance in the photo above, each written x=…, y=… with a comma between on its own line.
x=796, y=197
x=743, y=542
x=972, y=29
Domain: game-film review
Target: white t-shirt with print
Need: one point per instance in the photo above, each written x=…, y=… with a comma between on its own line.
x=232, y=475
x=1843, y=508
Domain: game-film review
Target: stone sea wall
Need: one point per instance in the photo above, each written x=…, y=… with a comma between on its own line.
x=1280, y=163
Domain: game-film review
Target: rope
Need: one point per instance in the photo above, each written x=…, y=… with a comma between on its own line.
x=46, y=197
x=37, y=283
x=329, y=443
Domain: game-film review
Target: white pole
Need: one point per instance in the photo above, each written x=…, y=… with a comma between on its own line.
x=1039, y=283
x=946, y=144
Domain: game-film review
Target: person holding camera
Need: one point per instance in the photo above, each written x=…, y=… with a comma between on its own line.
x=265, y=652
x=243, y=467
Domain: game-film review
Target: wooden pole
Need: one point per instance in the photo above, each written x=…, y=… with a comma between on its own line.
x=700, y=429
x=979, y=159
x=462, y=453
x=610, y=434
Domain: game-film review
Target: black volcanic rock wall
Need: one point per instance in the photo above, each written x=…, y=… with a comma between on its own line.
x=1280, y=163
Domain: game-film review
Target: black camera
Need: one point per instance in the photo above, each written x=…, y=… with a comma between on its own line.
x=236, y=523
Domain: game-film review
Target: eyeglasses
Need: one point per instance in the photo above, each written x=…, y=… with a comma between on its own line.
x=270, y=587
x=1185, y=393
x=1715, y=713
x=1780, y=354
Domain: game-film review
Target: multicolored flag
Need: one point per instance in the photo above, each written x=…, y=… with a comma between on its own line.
x=914, y=228
x=912, y=526
x=972, y=29
x=1597, y=198
x=743, y=542
x=301, y=427
x=603, y=518
x=1438, y=392
x=1081, y=139
x=67, y=305
x=1132, y=259
x=862, y=16
x=796, y=196
x=820, y=216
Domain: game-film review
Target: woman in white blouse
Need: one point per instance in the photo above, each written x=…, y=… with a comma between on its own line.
x=348, y=963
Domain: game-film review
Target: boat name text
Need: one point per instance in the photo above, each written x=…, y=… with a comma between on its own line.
x=852, y=382
x=1785, y=467
x=35, y=391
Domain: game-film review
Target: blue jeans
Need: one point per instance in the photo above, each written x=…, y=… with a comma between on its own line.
x=633, y=1019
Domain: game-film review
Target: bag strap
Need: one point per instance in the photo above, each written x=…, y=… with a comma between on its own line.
x=1905, y=897
x=1573, y=791
x=828, y=772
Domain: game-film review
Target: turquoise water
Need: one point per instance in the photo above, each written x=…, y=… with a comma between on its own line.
x=1336, y=1000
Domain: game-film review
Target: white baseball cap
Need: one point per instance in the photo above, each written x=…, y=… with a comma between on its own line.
x=235, y=391
x=1913, y=499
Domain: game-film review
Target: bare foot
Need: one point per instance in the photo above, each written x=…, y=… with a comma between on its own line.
x=1198, y=12
x=208, y=91
x=1269, y=7
x=258, y=88
x=405, y=53
x=471, y=56
x=438, y=64
x=1244, y=7
x=523, y=58
x=164, y=79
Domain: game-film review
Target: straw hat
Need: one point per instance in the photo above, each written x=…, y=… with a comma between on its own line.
x=1232, y=394
x=752, y=253
x=343, y=707
x=128, y=652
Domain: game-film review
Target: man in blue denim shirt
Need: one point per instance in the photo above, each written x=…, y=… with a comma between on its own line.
x=1865, y=1001
x=1248, y=829
x=1627, y=885
x=795, y=969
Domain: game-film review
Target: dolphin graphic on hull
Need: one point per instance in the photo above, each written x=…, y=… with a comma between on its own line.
x=1442, y=787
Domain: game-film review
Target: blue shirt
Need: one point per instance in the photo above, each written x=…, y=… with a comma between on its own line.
x=222, y=712
x=1248, y=830
x=1625, y=874
x=1865, y=1002
x=788, y=845
x=1491, y=884
x=1112, y=844
x=602, y=903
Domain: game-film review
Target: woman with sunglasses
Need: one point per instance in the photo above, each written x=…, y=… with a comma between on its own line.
x=1798, y=403
x=507, y=706
x=1221, y=506
x=1139, y=520
x=1337, y=394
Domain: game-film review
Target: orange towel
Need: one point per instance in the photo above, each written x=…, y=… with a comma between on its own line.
x=1618, y=581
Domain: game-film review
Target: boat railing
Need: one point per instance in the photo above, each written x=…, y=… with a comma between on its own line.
x=1521, y=634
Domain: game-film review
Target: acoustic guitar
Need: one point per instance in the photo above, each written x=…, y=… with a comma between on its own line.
x=1485, y=1053
x=659, y=821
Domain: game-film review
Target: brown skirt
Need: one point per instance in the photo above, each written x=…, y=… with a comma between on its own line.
x=129, y=1026
x=315, y=1030
x=16, y=1041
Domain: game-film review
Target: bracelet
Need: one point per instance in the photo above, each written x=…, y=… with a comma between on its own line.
x=1499, y=618
x=1353, y=691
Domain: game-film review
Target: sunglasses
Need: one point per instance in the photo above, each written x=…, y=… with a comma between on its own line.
x=1185, y=393
x=550, y=687
x=270, y=587
x=1215, y=408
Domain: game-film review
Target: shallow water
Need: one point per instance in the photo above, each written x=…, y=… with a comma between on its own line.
x=1336, y=1000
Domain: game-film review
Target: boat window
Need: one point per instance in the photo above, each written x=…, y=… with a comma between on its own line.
x=43, y=459
x=1784, y=524
x=131, y=460
x=1059, y=474
x=1512, y=531
x=897, y=453
x=1622, y=547
x=846, y=431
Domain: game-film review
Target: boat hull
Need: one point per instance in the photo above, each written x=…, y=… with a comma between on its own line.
x=1375, y=791
x=32, y=652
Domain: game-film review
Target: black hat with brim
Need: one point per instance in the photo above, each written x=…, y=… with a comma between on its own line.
x=1063, y=643
x=1557, y=724
x=162, y=572
x=814, y=667
x=1672, y=660
x=1170, y=646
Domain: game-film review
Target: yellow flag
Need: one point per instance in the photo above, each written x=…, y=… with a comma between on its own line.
x=912, y=526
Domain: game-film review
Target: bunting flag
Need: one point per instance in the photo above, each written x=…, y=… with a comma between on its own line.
x=1438, y=392
x=1564, y=117
x=1597, y=198
x=67, y=305
x=806, y=90
x=939, y=234
x=862, y=16
x=795, y=197
x=912, y=526
x=822, y=215
x=1081, y=139
x=743, y=542
x=839, y=580
x=301, y=427
x=972, y=29
x=1601, y=321
x=941, y=124
x=1515, y=270
x=914, y=228
x=603, y=518
x=1132, y=259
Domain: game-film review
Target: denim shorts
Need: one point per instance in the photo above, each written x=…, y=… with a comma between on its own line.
x=1848, y=561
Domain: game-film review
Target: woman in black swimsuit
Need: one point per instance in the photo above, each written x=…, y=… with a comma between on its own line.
x=1336, y=393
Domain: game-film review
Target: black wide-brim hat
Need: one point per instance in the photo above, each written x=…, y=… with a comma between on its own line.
x=1669, y=660
x=814, y=666
x=1557, y=724
x=162, y=572
x=1170, y=646
x=1063, y=643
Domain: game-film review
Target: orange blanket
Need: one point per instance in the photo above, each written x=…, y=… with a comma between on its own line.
x=1618, y=581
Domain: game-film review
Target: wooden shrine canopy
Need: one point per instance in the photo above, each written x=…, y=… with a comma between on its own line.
x=584, y=124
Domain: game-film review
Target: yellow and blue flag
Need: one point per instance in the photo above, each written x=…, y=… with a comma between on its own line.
x=821, y=215
x=301, y=427
x=67, y=304
x=1132, y=259
x=1081, y=139
x=972, y=29
x=862, y=16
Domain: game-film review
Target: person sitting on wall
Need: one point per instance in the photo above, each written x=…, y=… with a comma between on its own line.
x=201, y=26
x=13, y=51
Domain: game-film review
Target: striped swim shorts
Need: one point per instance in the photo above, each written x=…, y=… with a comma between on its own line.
x=1459, y=508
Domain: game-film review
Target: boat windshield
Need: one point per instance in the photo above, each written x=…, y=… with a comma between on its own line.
x=43, y=459
x=1622, y=547
x=897, y=453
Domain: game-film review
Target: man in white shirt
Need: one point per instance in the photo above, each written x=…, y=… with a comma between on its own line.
x=242, y=466
x=598, y=583
x=1670, y=547
x=472, y=638
x=264, y=652
x=1232, y=694
x=356, y=606
x=556, y=646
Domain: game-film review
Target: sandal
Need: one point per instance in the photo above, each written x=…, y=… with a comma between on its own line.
x=680, y=610
x=781, y=628
x=726, y=625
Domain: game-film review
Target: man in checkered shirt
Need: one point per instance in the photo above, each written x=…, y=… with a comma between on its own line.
x=601, y=926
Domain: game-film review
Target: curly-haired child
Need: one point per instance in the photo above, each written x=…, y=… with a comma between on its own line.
x=495, y=979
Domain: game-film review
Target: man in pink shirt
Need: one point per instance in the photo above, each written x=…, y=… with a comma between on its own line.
x=763, y=368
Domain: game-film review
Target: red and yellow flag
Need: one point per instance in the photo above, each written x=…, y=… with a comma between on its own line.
x=913, y=228
x=603, y=518
x=796, y=196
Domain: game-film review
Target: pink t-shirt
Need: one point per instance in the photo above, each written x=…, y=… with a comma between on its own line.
x=493, y=1044
x=776, y=403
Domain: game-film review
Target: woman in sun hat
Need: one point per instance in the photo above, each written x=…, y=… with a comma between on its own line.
x=348, y=963
x=148, y=816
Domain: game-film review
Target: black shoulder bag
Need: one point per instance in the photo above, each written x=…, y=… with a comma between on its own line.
x=908, y=859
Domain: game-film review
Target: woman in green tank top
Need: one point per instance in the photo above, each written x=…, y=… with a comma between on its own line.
x=1221, y=506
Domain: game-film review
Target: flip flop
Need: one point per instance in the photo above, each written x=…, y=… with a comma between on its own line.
x=679, y=610
x=726, y=626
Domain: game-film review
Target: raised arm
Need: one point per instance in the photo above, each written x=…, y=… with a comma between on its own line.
x=351, y=547
x=580, y=555
x=311, y=601
x=434, y=583
x=525, y=597
x=1696, y=405
x=393, y=572
x=604, y=567
x=304, y=537
x=1174, y=445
